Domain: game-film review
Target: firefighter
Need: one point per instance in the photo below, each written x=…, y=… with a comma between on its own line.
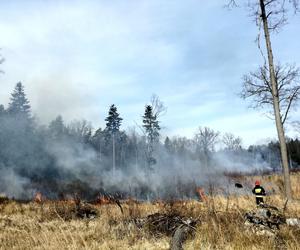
x=259, y=192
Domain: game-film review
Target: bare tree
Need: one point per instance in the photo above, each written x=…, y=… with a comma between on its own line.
x=81, y=129
x=158, y=106
x=205, y=140
x=270, y=16
x=232, y=143
x=1, y=61
x=257, y=85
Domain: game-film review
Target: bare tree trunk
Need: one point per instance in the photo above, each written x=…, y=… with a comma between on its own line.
x=136, y=158
x=179, y=237
x=278, y=119
x=114, y=153
x=100, y=158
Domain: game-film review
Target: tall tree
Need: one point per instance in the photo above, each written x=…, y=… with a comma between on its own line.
x=168, y=145
x=257, y=85
x=2, y=110
x=271, y=15
x=57, y=128
x=151, y=130
x=81, y=130
x=1, y=61
x=113, y=123
x=19, y=104
x=113, y=120
x=158, y=107
x=98, y=141
x=205, y=140
x=231, y=142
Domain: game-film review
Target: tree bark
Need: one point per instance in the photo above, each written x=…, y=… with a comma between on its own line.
x=179, y=237
x=278, y=118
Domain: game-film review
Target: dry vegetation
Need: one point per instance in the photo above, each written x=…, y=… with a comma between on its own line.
x=221, y=224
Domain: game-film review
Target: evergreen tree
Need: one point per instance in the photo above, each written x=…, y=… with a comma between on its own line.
x=57, y=127
x=2, y=110
x=151, y=126
x=19, y=104
x=168, y=145
x=113, y=120
x=113, y=123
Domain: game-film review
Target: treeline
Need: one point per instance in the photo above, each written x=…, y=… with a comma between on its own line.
x=271, y=153
x=74, y=157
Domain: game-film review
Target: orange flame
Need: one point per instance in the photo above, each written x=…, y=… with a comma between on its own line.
x=38, y=197
x=201, y=194
x=101, y=200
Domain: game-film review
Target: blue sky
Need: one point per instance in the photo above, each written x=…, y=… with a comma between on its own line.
x=76, y=58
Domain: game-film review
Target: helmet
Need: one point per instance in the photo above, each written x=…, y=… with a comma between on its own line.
x=257, y=183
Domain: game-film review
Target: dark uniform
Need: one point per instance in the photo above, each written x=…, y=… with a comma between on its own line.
x=259, y=194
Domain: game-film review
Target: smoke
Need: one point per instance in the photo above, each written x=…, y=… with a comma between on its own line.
x=33, y=159
x=241, y=161
x=13, y=185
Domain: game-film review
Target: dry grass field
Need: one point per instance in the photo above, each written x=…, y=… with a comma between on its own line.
x=221, y=224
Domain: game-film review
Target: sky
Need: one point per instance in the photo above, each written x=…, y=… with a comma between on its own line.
x=76, y=58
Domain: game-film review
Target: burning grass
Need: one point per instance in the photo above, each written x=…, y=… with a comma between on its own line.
x=220, y=224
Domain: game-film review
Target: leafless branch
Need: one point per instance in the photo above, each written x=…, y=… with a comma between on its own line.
x=232, y=142
x=1, y=61
x=296, y=125
x=258, y=40
x=293, y=97
x=206, y=138
x=158, y=106
x=231, y=4
x=276, y=11
x=256, y=85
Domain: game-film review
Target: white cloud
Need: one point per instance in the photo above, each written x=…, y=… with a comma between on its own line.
x=77, y=59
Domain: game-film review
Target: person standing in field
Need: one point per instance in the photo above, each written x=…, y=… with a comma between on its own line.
x=259, y=192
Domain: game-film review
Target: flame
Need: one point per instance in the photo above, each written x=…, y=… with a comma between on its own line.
x=201, y=194
x=102, y=199
x=38, y=197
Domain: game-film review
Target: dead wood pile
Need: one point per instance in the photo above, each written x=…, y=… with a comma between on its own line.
x=166, y=224
x=169, y=224
x=265, y=219
x=3, y=199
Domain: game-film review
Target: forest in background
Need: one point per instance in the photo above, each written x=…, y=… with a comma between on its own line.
x=60, y=159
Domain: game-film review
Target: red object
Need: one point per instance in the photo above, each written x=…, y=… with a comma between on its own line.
x=201, y=194
x=257, y=183
x=38, y=197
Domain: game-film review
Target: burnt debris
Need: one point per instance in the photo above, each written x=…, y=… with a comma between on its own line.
x=265, y=219
x=238, y=185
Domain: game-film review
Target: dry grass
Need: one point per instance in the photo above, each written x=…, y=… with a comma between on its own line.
x=35, y=226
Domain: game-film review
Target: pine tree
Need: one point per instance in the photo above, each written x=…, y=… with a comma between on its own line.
x=57, y=127
x=2, y=110
x=113, y=120
x=168, y=145
x=151, y=126
x=113, y=127
x=19, y=104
